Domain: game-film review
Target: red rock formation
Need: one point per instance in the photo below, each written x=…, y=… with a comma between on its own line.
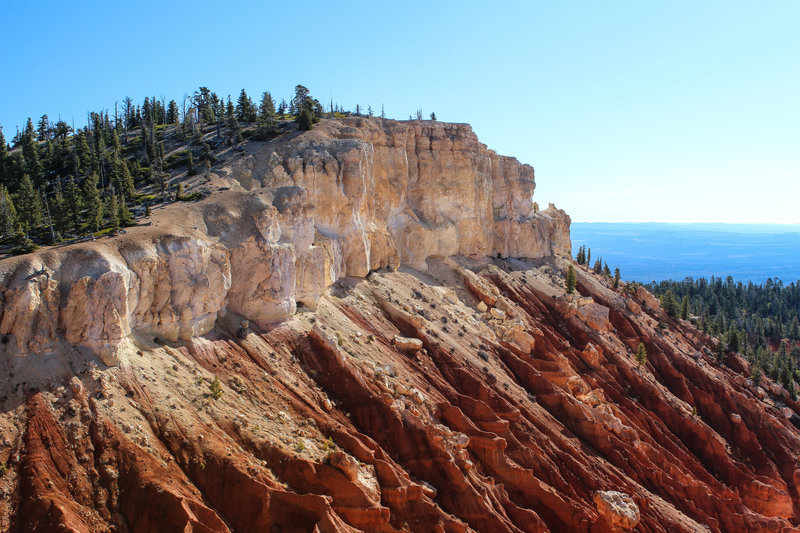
x=327, y=423
x=460, y=396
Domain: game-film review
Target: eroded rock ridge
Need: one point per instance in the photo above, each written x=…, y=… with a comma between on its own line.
x=349, y=197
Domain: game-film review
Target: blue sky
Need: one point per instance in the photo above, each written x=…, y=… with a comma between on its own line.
x=629, y=111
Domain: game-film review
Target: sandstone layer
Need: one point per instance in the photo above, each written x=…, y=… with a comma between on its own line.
x=533, y=419
x=168, y=379
x=347, y=198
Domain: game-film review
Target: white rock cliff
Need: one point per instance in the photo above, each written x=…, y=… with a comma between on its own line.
x=351, y=196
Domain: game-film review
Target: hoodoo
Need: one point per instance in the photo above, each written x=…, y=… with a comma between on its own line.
x=365, y=327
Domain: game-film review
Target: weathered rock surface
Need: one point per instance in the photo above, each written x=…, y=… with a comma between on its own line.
x=618, y=509
x=351, y=196
x=327, y=422
x=531, y=418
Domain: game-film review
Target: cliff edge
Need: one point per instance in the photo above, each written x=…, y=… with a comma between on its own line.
x=351, y=196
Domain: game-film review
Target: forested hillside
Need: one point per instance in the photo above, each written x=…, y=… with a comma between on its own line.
x=758, y=321
x=58, y=183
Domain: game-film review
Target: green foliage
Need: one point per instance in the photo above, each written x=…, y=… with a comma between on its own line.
x=305, y=120
x=123, y=213
x=669, y=304
x=215, y=389
x=616, y=278
x=8, y=214
x=719, y=351
x=641, y=355
x=755, y=374
x=24, y=245
x=685, y=307
x=581, y=255
x=111, y=212
x=245, y=110
x=572, y=280
x=73, y=202
x=29, y=206
x=91, y=199
x=191, y=197
x=758, y=321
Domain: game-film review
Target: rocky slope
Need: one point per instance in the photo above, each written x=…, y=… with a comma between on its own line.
x=350, y=197
x=168, y=379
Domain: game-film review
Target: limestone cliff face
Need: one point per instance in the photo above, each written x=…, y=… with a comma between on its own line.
x=349, y=197
x=392, y=192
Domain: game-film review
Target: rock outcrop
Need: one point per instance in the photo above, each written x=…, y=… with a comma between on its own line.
x=462, y=392
x=349, y=197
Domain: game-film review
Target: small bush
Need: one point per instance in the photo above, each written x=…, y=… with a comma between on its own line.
x=215, y=388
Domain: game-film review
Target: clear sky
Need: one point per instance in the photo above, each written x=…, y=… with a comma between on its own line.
x=629, y=111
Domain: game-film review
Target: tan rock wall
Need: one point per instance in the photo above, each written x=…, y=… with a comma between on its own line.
x=351, y=196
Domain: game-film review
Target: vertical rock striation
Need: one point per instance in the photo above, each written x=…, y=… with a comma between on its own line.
x=352, y=196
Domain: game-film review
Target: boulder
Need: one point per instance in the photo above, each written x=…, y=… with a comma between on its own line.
x=407, y=343
x=617, y=508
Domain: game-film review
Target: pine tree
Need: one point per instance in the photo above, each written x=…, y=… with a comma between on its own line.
x=233, y=128
x=33, y=164
x=719, y=351
x=616, y=278
x=115, y=143
x=685, y=308
x=58, y=209
x=245, y=110
x=123, y=213
x=641, y=354
x=43, y=128
x=305, y=120
x=598, y=266
x=126, y=184
x=92, y=201
x=206, y=155
x=173, y=114
x=433, y=117
x=572, y=281
x=3, y=154
x=301, y=94
x=669, y=304
x=8, y=214
x=111, y=212
x=190, y=168
x=29, y=206
x=267, y=121
x=73, y=203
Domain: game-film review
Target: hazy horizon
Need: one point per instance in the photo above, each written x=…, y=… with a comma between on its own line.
x=652, y=251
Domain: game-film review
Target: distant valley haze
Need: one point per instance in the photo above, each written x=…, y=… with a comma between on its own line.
x=659, y=251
